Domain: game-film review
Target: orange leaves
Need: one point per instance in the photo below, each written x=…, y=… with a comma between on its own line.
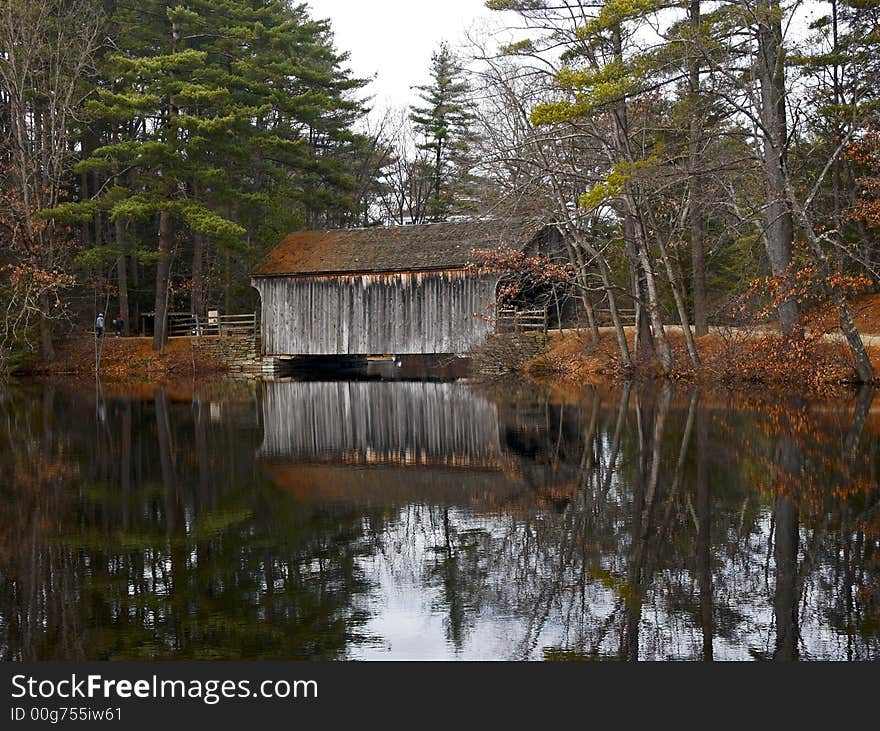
x=865, y=152
x=522, y=273
x=505, y=259
x=802, y=283
x=35, y=253
x=21, y=276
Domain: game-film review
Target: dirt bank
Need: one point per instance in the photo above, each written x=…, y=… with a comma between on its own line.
x=129, y=358
x=728, y=358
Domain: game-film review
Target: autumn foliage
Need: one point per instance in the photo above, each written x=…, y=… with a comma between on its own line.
x=32, y=268
x=525, y=276
x=865, y=152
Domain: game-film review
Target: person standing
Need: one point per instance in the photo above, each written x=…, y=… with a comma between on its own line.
x=119, y=324
x=99, y=325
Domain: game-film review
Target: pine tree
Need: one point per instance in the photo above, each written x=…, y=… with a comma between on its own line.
x=444, y=122
x=225, y=124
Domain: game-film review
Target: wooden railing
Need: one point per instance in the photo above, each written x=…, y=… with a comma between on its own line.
x=184, y=324
x=627, y=316
x=509, y=319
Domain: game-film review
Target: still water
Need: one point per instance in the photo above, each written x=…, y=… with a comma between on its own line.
x=377, y=519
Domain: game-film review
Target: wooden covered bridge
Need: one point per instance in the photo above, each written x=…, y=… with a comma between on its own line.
x=385, y=291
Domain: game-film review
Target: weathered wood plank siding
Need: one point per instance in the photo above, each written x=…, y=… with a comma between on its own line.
x=357, y=422
x=372, y=314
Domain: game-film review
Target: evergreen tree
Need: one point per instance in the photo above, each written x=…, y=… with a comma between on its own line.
x=445, y=123
x=226, y=123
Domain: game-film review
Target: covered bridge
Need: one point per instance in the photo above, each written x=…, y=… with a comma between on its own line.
x=384, y=290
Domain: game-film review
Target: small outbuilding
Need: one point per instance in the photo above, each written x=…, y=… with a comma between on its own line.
x=386, y=290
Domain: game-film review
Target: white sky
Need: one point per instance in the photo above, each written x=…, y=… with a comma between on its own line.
x=392, y=40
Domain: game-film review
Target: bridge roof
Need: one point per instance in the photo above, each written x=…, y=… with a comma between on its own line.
x=392, y=248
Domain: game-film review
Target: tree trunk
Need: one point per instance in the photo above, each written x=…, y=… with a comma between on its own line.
x=163, y=276
x=437, y=182
x=785, y=597
x=99, y=231
x=861, y=359
x=695, y=210
x=607, y=284
x=197, y=285
x=661, y=343
x=47, y=349
x=592, y=323
x=619, y=332
x=576, y=256
x=227, y=284
x=136, y=281
x=643, y=340
x=704, y=534
x=122, y=286
x=677, y=293
x=122, y=274
x=647, y=319
x=84, y=196
x=836, y=178
x=780, y=230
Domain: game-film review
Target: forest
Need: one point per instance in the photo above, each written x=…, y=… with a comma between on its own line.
x=709, y=163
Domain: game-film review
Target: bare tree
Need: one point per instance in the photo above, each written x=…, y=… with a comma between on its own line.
x=46, y=48
x=405, y=185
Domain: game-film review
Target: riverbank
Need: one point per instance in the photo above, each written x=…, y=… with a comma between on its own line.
x=130, y=359
x=728, y=357
x=731, y=357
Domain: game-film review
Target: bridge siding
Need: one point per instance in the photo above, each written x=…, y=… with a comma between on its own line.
x=379, y=421
x=369, y=314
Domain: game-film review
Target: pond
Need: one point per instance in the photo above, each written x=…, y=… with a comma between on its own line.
x=377, y=519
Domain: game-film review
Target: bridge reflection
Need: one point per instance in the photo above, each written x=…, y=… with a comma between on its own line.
x=390, y=443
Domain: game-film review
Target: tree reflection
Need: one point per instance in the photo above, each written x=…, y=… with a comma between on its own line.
x=161, y=539
x=640, y=524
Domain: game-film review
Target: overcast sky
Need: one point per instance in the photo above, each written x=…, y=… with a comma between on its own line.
x=393, y=39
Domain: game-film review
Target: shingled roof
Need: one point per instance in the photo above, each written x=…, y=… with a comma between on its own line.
x=391, y=249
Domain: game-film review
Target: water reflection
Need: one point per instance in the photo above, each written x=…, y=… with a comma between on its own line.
x=362, y=519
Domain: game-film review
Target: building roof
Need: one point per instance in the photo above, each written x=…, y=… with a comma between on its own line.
x=391, y=249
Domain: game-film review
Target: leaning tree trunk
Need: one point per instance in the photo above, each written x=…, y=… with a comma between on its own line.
x=677, y=293
x=861, y=359
x=163, y=276
x=640, y=268
x=597, y=256
x=605, y=274
x=661, y=342
x=576, y=256
x=47, y=348
x=780, y=229
x=619, y=331
x=643, y=340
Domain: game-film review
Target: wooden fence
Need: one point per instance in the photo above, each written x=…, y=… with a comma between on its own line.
x=184, y=324
x=510, y=320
